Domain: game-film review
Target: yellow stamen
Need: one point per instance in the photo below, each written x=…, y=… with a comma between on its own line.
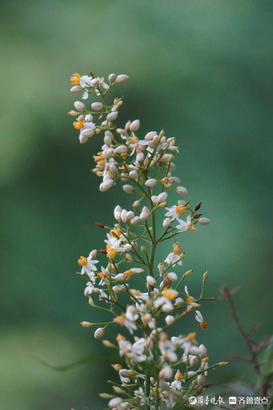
x=177, y=248
x=78, y=124
x=116, y=232
x=111, y=252
x=82, y=261
x=119, y=338
x=127, y=274
x=120, y=320
x=117, y=367
x=203, y=325
x=180, y=209
x=191, y=336
x=190, y=299
x=169, y=293
x=100, y=163
x=75, y=79
x=178, y=376
x=164, y=180
x=191, y=228
x=134, y=140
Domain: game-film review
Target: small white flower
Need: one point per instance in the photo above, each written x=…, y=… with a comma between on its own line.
x=175, y=211
x=185, y=226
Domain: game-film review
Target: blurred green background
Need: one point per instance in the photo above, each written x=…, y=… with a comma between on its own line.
x=200, y=69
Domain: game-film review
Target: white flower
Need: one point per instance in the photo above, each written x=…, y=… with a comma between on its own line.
x=185, y=226
x=173, y=259
x=89, y=265
x=175, y=211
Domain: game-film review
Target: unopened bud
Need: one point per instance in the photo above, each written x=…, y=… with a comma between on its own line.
x=103, y=251
x=150, y=183
x=100, y=225
x=86, y=324
x=112, y=77
x=150, y=280
x=181, y=190
x=91, y=302
x=112, y=116
x=198, y=206
x=99, y=333
x=129, y=189
x=107, y=343
x=105, y=395
x=97, y=106
x=204, y=221
x=146, y=318
x=122, y=78
x=169, y=319
x=73, y=113
x=75, y=89
x=117, y=367
x=205, y=275
x=80, y=106
x=188, y=273
x=135, y=125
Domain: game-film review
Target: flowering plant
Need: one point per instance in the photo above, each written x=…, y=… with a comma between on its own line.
x=156, y=370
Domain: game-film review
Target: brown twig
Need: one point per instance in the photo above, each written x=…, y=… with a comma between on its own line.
x=253, y=346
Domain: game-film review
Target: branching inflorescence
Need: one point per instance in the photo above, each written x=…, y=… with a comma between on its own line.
x=142, y=300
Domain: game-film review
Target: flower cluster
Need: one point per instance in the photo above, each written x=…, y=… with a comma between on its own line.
x=142, y=291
